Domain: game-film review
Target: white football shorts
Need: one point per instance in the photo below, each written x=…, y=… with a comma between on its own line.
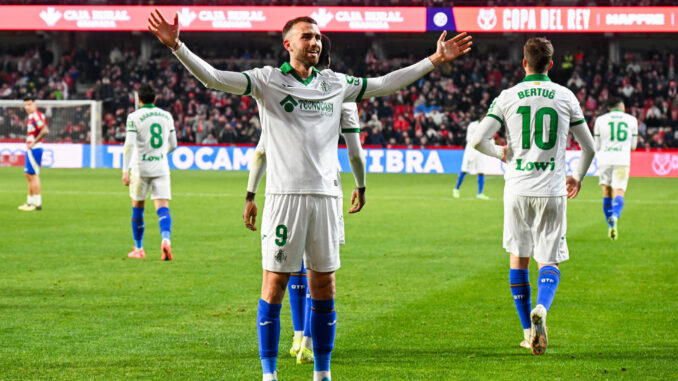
x=160, y=187
x=472, y=162
x=536, y=226
x=616, y=176
x=296, y=227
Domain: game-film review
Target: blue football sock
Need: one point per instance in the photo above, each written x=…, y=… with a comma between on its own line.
x=307, y=315
x=519, y=280
x=607, y=207
x=138, y=227
x=323, y=328
x=460, y=179
x=547, y=284
x=165, y=222
x=481, y=183
x=296, y=287
x=617, y=206
x=268, y=329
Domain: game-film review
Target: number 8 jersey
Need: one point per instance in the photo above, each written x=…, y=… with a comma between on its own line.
x=616, y=134
x=152, y=126
x=537, y=115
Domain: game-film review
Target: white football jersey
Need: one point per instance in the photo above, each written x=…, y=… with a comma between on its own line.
x=153, y=127
x=537, y=114
x=301, y=120
x=615, y=132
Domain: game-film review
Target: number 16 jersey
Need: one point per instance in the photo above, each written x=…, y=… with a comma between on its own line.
x=152, y=126
x=537, y=115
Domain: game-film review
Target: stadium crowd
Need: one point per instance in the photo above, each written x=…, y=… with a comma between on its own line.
x=432, y=112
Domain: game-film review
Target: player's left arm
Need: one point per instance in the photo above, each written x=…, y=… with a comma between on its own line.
x=634, y=135
x=257, y=170
x=481, y=138
x=596, y=135
x=130, y=139
x=350, y=129
x=446, y=51
x=44, y=130
x=172, y=139
x=582, y=134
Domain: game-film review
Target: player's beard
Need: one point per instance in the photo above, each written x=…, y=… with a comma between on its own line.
x=307, y=59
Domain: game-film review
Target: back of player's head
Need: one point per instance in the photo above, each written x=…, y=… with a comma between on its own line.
x=29, y=97
x=146, y=94
x=290, y=24
x=615, y=102
x=538, y=53
x=324, y=59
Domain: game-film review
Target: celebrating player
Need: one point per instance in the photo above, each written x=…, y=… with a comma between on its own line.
x=537, y=115
x=150, y=133
x=36, y=131
x=472, y=162
x=616, y=135
x=300, y=115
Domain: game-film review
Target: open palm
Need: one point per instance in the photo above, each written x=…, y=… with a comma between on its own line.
x=454, y=47
x=167, y=33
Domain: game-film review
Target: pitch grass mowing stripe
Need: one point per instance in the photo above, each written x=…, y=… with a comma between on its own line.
x=422, y=293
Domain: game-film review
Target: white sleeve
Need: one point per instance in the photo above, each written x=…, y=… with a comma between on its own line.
x=481, y=138
x=228, y=81
x=387, y=84
x=634, y=135
x=257, y=167
x=350, y=128
x=583, y=135
x=596, y=135
x=130, y=139
x=172, y=140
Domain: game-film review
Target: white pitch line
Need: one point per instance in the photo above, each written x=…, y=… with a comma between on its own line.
x=421, y=198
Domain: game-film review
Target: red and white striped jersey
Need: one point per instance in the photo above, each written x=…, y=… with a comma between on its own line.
x=36, y=122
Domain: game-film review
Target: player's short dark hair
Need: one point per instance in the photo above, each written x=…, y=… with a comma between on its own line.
x=538, y=52
x=614, y=102
x=291, y=23
x=29, y=97
x=146, y=93
x=324, y=59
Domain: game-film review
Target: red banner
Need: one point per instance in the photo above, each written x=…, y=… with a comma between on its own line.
x=654, y=164
x=221, y=18
x=566, y=19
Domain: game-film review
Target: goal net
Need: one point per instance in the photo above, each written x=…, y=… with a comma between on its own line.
x=72, y=121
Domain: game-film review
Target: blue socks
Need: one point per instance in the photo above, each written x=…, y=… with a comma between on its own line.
x=481, y=183
x=165, y=222
x=138, y=227
x=307, y=315
x=607, y=207
x=268, y=330
x=323, y=328
x=297, y=290
x=460, y=179
x=547, y=284
x=519, y=280
x=617, y=206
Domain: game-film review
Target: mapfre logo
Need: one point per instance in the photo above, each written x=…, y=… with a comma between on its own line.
x=50, y=16
x=664, y=163
x=487, y=19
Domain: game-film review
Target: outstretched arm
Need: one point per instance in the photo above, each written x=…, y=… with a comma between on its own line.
x=228, y=81
x=446, y=51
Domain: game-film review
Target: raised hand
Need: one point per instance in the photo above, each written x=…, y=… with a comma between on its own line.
x=167, y=33
x=449, y=50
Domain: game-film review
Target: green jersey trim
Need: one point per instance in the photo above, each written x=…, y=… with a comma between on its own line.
x=615, y=109
x=537, y=77
x=348, y=130
x=498, y=119
x=578, y=122
x=362, y=91
x=249, y=84
x=150, y=105
x=287, y=68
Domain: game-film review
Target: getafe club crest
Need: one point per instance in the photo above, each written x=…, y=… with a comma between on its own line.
x=487, y=19
x=280, y=256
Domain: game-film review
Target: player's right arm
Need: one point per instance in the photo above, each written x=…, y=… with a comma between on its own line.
x=172, y=139
x=257, y=170
x=130, y=140
x=227, y=81
x=582, y=134
x=596, y=134
x=481, y=138
x=350, y=129
x=634, y=134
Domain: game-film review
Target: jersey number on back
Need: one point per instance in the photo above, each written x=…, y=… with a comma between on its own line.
x=156, y=135
x=526, y=111
x=622, y=134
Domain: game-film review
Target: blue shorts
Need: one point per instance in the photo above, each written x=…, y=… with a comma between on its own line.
x=33, y=161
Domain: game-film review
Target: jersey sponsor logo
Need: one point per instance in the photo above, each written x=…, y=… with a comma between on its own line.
x=288, y=103
x=535, y=165
x=536, y=91
x=325, y=108
x=145, y=157
x=487, y=19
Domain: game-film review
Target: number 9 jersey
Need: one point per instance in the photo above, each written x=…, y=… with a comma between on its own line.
x=152, y=126
x=537, y=115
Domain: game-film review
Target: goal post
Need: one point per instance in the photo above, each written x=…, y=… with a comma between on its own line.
x=69, y=121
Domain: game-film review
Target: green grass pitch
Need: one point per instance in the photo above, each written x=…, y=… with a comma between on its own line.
x=422, y=293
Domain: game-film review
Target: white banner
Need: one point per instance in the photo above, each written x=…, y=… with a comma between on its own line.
x=53, y=156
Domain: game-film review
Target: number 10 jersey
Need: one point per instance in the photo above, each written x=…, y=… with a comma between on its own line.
x=537, y=115
x=152, y=126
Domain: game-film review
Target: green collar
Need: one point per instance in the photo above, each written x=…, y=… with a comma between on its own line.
x=149, y=105
x=287, y=68
x=537, y=77
x=616, y=109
